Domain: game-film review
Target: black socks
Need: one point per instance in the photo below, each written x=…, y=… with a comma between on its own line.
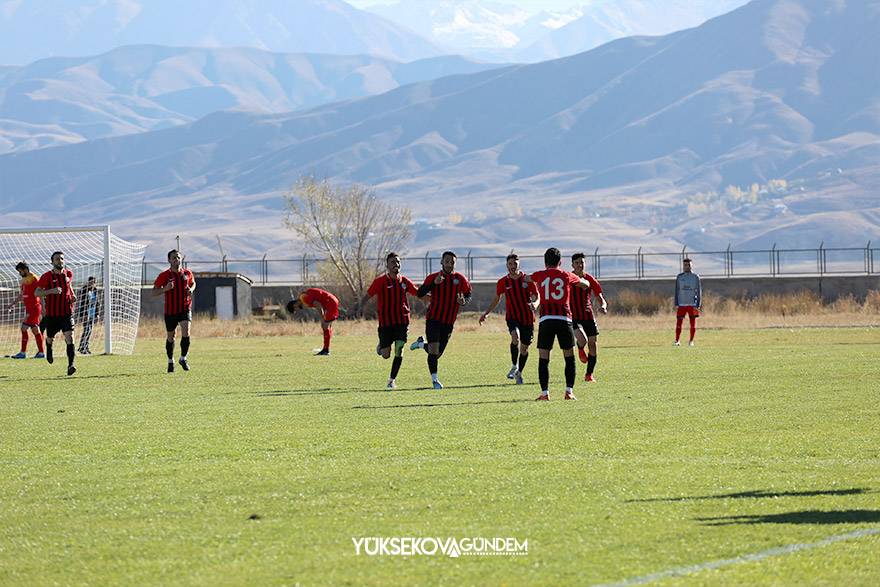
x=569, y=372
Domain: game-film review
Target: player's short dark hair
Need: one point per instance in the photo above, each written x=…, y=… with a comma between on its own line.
x=577, y=256
x=171, y=252
x=686, y=260
x=552, y=257
x=512, y=256
x=450, y=253
x=52, y=257
x=22, y=265
x=91, y=278
x=391, y=254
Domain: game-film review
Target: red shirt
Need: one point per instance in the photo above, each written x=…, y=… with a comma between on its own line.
x=58, y=304
x=444, y=297
x=517, y=296
x=554, y=288
x=581, y=299
x=28, y=286
x=178, y=299
x=327, y=300
x=392, y=306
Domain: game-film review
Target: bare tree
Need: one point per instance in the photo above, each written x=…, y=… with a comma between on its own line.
x=350, y=226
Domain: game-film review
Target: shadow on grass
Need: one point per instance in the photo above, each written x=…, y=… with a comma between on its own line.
x=758, y=494
x=62, y=375
x=804, y=517
x=443, y=404
x=346, y=390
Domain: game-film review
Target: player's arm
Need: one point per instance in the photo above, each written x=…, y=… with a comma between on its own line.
x=43, y=290
x=191, y=288
x=490, y=308
x=604, y=306
x=596, y=288
x=699, y=294
x=428, y=285
x=162, y=284
x=675, y=298
x=14, y=302
x=464, y=297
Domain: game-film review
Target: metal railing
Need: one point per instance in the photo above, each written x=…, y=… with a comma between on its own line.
x=772, y=262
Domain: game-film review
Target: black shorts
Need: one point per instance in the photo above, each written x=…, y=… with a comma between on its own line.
x=526, y=331
x=389, y=334
x=437, y=331
x=553, y=329
x=172, y=320
x=589, y=326
x=52, y=325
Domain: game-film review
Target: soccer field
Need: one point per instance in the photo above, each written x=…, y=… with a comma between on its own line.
x=263, y=463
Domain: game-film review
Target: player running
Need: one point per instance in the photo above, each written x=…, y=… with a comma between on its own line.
x=520, y=297
x=586, y=331
x=392, y=309
x=449, y=290
x=688, y=300
x=56, y=286
x=554, y=291
x=327, y=304
x=33, y=310
x=178, y=285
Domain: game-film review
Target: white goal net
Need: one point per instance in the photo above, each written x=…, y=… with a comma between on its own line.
x=106, y=321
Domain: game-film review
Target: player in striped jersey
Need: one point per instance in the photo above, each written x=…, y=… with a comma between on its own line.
x=392, y=310
x=177, y=283
x=554, y=291
x=520, y=299
x=449, y=290
x=33, y=311
x=586, y=331
x=328, y=306
x=56, y=287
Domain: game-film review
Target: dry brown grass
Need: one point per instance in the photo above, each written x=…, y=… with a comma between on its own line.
x=628, y=312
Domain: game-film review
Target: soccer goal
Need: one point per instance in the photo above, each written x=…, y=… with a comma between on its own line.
x=91, y=251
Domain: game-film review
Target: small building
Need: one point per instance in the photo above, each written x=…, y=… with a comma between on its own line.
x=222, y=295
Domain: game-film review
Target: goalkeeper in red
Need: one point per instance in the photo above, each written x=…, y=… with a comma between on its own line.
x=554, y=290
x=33, y=311
x=56, y=287
x=327, y=304
x=177, y=283
x=392, y=310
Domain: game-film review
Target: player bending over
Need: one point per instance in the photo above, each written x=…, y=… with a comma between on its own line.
x=327, y=304
x=586, y=331
x=178, y=285
x=449, y=290
x=33, y=311
x=554, y=291
x=392, y=310
x=520, y=298
x=56, y=287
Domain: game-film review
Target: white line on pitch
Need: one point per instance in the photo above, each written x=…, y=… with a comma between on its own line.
x=746, y=558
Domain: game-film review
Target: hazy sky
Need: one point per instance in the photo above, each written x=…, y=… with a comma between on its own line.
x=533, y=5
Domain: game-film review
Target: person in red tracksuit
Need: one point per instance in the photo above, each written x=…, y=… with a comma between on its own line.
x=327, y=304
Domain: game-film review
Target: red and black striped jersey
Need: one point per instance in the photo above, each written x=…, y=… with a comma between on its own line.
x=582, y=299
x=392, y=306
x=58, y=304
x=444, y=297
x=517, y=296
x=179, y=298
x=554, y=289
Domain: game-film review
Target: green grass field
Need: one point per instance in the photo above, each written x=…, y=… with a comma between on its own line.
x=677, y=457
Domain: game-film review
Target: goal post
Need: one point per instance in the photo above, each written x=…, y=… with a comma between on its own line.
x=110, y=318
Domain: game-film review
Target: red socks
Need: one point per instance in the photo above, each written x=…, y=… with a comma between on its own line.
x=693, y=327
x=24, y=341
x=678, y=328
x=328, y=333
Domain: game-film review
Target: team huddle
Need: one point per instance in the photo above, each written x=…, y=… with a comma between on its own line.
x=562, y=299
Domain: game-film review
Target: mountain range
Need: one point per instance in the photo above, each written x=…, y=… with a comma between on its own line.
x=761, y=125
x=136, y=89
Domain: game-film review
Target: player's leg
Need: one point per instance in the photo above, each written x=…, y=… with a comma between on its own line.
x=545, y=343
x=592, y=332
x=400, y=334
x=526, y=332
x=567, y=342
x=170, y=333
x=327, y=331
x=22, y=354
x=185, y=329
x=514, y=348
x=581, y=339
x=38, y=336
x=435, y=335
x=47, y=325
x=67, y=331
x=679, y=318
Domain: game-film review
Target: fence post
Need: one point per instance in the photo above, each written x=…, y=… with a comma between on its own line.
x=868, y=259
x=819, y=255
x=305, y=270
x=597, y=263
x=426, y=265
x=639, y=263
x=774, y=261
x=264, y=268
x=223, y=264
x=728, y=262
x=469, y=267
